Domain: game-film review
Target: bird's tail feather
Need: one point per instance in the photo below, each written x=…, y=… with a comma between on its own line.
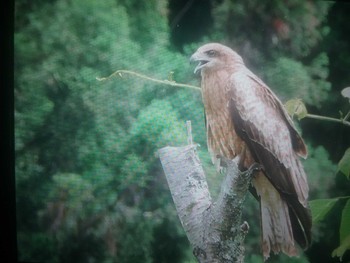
x=277, y=230
x=301, y=223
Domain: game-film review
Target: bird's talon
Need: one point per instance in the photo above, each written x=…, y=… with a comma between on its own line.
x=223, y=160
x=255, y=167
x=245, y=227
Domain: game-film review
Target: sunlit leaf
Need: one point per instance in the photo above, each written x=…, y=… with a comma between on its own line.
x=344, y=164
x=346, y=93
x=344, y=232
x=295, y=107
x=321, y=207
x=345, y=222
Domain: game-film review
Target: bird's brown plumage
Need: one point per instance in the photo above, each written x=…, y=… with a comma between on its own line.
x=244, y=117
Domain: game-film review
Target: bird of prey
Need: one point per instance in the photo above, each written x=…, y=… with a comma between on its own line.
x=245, y=118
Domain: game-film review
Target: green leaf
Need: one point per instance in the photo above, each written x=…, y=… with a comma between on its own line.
x=344, y=164
x=321, y=207
x=339, y=251
x=344, y=230
x=296, y=107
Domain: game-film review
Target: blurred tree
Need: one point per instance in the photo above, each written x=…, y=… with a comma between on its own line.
x=89, y=187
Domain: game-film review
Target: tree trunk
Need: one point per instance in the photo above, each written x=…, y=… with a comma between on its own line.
x=214, y=229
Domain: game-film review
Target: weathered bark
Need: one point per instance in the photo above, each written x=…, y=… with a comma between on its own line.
x=214, y=229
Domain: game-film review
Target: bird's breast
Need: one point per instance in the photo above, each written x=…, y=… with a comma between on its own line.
x=221, y=136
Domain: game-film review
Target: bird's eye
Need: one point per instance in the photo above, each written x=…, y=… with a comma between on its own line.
x=211, y=53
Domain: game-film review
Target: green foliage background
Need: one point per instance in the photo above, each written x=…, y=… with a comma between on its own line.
x=89, y=186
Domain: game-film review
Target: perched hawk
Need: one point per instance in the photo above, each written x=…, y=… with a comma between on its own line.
x=244, y=117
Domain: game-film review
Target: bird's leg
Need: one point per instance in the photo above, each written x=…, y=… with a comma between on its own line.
x=244, y=179
x=255, y=167
x=223, y=160
x=223, y=163
x=242, y=158
x=246, y=171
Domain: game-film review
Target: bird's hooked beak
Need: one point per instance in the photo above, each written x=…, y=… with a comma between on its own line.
x=201, y=58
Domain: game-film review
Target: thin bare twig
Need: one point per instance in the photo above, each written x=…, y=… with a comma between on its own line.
x=166, y=82
x=189, y=133
x=121, y=72
x=324, y=118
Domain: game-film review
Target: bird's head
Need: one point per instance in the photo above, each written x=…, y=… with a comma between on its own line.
x=215, y=56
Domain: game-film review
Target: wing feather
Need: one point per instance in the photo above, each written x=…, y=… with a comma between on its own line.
x=259, y=119
x=268, y=133
x=297, y=142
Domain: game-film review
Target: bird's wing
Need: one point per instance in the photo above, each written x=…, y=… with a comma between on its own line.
x=260, y=120
x=297, y=142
